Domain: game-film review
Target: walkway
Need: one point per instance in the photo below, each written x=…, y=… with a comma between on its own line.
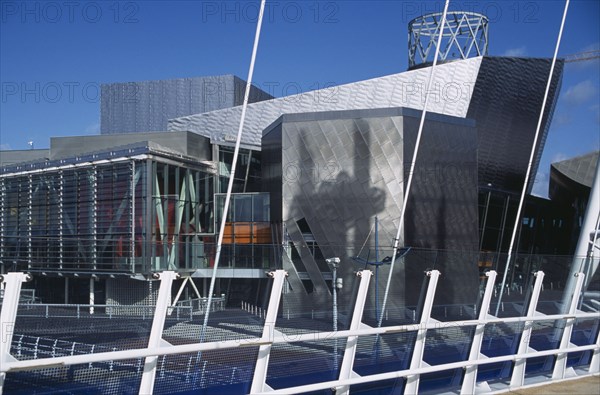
x=583, y=386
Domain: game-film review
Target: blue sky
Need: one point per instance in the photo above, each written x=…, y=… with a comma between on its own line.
x=55, y=55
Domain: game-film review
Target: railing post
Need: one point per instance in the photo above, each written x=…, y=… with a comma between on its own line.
x=264, y=351
x=595, y=362
x=518, y=375
x=92, y=293
x=162, y=304
x=352, y=341
x=8, y=316
x=469, y=381
x=561, y=358
x=412, y=381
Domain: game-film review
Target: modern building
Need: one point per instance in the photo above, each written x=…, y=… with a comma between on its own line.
x=315, y=170
x=137, y=203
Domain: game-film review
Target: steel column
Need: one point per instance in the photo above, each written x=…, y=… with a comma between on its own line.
x=469, y=381
x=29, y=220
x=61, y=219
x=352, y=341
x=159, y=209
x=518, y=375
x=412, y=381
x=264, y=351
x=179, y=208
x=162, y=303
x=66, y=290
x=94, y=217
x=133, y=183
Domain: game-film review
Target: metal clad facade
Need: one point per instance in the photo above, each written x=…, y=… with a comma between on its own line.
x=147, y=106
x=506, y=104
x=339, y=170
x=452, y=87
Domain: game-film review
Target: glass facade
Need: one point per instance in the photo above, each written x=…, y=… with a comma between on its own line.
x=247, y=240
x=247, y=172
x=180, y=210
x=125, y=216
x=544, y=238
x=70, y=219
x=546, y=227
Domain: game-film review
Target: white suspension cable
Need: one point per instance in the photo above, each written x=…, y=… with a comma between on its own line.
x=531, y=157
x=413, y=163
x=367, y=239
x=232, y=173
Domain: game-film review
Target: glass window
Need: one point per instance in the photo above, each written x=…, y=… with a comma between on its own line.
x=261, y=208
x=243, y=208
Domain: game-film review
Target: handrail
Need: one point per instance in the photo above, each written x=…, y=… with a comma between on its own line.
x=272, y=337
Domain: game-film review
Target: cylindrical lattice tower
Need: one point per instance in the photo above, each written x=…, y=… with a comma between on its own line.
x=465, y=36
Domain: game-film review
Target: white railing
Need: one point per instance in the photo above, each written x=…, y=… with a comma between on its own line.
x=562, y=327
x=198, y=305
x=102, y=311
x=254, y=310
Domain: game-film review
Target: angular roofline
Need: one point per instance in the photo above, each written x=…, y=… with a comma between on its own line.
x=368, y=113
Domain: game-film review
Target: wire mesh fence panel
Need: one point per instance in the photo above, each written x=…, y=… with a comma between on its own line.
x=499, y=339
x=384, y=353
x=52, y=330
x=585, y=332
x=447, y=344
x=211, y=372
x=304, y=313
x=222, y=325
x=519, y=281
x=301, y=363
x=545, y=335
x=110, y=377
x=44, y=331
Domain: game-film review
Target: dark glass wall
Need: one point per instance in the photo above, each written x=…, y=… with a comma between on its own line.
x=129, y=216
x=71, y=219
x=247, y=172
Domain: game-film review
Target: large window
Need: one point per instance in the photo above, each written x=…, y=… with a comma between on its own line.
x=247, y=240
x=181, y=221
x=247, y=171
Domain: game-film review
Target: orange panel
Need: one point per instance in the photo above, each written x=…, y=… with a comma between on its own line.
x=262, y=233
x=243, y=232
x=247, y=233
x=228, y=234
